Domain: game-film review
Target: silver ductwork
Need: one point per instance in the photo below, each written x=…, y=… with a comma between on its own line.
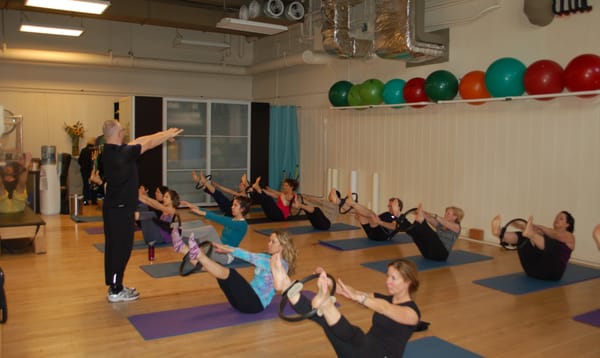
x=336, y=31
x=400, y=33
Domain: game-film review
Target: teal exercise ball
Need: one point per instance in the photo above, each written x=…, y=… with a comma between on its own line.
x=338, y=93
x=354, y=98
x=371, y=92
x=441, y=85
x=504, y=77
x=392, y=91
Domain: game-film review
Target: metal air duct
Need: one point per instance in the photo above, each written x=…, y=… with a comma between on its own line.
x=336, y=31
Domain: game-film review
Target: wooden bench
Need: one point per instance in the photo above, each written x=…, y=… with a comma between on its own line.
x=24, y=225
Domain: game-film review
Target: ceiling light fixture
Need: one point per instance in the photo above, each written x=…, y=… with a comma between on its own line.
x=250, y=26
x=87, y=6
x=179, y=41
x=52, y=30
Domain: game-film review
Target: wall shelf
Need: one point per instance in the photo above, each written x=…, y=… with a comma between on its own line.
x=492, y=99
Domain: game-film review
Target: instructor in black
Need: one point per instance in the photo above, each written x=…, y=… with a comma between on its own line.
x=120, y=201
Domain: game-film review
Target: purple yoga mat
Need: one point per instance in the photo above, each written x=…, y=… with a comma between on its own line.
x=201, y=318
x=94, y=230
x=592, y=318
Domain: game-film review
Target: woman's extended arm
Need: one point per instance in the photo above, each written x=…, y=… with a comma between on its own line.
x=144, y=198
x=563, y=236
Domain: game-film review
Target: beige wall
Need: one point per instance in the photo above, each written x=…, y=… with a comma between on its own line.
x=516, y=158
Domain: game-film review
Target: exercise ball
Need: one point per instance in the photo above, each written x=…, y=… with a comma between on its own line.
x=504, y=77
x=414, y=91
x=371, y=92
x=543, y=77
x=441, y=85
x=472, y=86
x=392, y=91
x=354, y=98
x=583, y=74
x=338, y=93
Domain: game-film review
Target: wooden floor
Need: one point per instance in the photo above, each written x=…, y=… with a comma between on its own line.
x=58, y=308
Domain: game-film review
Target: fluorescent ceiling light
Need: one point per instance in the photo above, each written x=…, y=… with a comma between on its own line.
x=179, y=41
x=87, y=6
x=250, y=26
x=52, y=30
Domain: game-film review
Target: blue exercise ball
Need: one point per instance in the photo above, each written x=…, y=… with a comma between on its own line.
x=504, y=77
x=392, y=91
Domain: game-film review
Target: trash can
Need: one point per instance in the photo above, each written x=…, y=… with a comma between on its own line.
x=76, y=204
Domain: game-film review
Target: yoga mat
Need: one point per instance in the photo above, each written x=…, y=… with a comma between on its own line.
x=85, y=219
x=364, y=243
x=137, y=245
x=201, y=318
x=169, y=269
x=267, y=220
x=308, y=229
x=519, y=283
x=592, y=318
x=457, y=257
x=433, y=347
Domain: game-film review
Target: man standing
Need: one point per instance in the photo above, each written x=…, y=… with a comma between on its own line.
x=120, y=201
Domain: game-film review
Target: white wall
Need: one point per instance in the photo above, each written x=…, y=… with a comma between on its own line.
x=515, y=159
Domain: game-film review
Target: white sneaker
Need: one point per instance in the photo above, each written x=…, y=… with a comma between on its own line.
x=125, y=295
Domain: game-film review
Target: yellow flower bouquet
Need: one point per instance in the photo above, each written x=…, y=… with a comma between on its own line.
x=75, y=131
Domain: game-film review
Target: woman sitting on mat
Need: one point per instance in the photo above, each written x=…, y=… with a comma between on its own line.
x=395, y=315
x=380, y=227
x=256, y=295
x=544, y=252
x=596, y=235
x=234, y=228
x=217, y=191
x=276, y=204
x=436, y=243
x=157, y=228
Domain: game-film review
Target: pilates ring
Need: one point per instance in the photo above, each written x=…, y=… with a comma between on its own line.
x=343, y=202
x=201, y=187
x=186, y=267
x=293, y=210
x=405, y=221
x=295, y=288
x=509, y=225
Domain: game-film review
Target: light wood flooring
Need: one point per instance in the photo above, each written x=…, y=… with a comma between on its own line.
x=58, y=308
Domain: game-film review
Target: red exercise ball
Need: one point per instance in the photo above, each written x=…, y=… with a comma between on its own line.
x=472, y=86
x=543, y=77
x=583, y=74
x=414, y=91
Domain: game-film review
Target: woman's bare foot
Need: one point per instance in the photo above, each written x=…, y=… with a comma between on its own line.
x=322, y=299
x=195, y=177
x=496, y=226
x=245, y=180
x=596, y=235
x=281, y=281
x=529, y=228
x=420, y=215
x=256, y=185
x=332, y=197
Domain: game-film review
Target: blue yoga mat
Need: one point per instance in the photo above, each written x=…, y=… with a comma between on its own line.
x=457, y=257
x=434, y=347
x=137, y=245
x=169, y=269
x=591, y=318
x=519, y=283
x=364, y=243
x=85, y=219
x=201, y=318
x=263, y=220
x=309, y=229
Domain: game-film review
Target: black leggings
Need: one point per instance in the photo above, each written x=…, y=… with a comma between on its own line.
x=269, y=206
x=318, y=220
x=547, y=264
x=240, y=294
x=118, y=234
x=428, y=241
x=347, y=340
x=222, y=201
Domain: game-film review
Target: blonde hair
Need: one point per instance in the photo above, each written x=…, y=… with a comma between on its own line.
x=288, y=251
x=460, y=214
x=409, y=272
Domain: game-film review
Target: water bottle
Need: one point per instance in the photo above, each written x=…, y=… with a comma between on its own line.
x=151, y=251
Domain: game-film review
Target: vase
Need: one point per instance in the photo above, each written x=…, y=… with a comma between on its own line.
x=75, y=147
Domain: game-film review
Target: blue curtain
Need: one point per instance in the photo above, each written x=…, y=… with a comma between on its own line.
x=283, y=144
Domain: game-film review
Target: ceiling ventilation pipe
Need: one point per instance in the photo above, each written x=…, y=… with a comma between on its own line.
x=400, y=33
x=336, y=31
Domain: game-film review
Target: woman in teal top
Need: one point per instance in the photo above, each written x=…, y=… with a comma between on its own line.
x=234, y=228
